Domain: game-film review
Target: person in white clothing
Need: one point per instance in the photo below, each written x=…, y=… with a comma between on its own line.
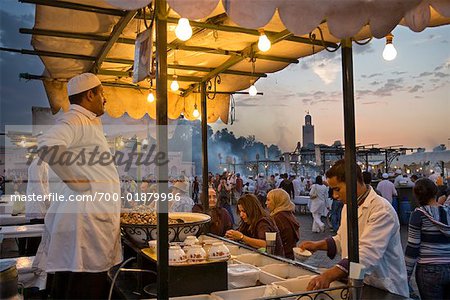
x=37, y=186
x=297, y=185
x=387, y=188
x=319, y=196
x=84, y=235
x=37, y=206
x=380, y=249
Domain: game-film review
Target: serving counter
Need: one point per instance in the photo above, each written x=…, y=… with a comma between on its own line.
x=199, y=281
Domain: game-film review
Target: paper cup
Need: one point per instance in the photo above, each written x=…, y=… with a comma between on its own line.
x=152, y=246
x=356, y=271
x=271, y=236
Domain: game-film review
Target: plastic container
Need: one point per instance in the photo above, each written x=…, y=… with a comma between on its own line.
x=298, y=285
x=282, y=271
x=244, y=294
x=254, y=259
x=242, y=275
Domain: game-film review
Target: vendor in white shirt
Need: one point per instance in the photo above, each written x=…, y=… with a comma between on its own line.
x=84, y=236
x=380, y=249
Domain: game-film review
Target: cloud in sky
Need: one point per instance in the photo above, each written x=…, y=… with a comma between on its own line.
x=415, y=88
x=327, y=70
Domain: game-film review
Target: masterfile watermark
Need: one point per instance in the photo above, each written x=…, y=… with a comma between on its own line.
x=103, y=158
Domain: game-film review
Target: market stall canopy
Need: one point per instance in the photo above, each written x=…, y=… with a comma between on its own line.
x=420, y=158
x=98, y=36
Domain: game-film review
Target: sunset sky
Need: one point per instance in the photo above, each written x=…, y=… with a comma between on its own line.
x=402, y=102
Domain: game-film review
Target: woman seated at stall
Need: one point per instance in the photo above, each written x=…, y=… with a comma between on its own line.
x=255, y=222
x=281, y=210
x=220, y=218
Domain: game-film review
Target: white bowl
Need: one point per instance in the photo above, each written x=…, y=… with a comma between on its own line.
x=195, y=253
x=176, y=255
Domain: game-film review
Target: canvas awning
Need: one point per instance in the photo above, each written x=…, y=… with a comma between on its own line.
x=72, y=37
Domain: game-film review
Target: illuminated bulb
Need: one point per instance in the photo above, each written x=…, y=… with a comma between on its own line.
x=195, y=113
x=183, y=30
x=150, y=97
x=263, y=42
x=253, y=91
x=174, y=86
x=389, y=52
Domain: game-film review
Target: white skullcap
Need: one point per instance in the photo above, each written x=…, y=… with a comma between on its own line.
x=398, y=171
x=82, y=83
x=385, y=175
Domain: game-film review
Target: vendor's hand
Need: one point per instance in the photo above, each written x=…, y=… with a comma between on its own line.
x=308, y=245
x=234, y=235
x=318, y=283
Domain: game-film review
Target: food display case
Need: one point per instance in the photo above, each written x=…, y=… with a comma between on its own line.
x=264, y=276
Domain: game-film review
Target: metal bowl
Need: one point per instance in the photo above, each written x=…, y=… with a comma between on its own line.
x=193, y=225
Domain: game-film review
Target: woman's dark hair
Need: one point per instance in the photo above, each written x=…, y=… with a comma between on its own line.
x=252, y=208
x=338, y=171
x=425, y=190
x=319, y=180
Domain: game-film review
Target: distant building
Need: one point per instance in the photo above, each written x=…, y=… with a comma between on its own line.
x=308, y=132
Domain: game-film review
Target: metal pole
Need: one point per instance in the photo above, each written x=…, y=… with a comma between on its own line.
x=350, y=150
x=367, y=161
x=323, y=163
x=204, y=114
x=386, y=166
x=161, y=136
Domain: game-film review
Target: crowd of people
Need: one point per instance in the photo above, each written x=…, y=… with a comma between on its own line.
x=82, y=241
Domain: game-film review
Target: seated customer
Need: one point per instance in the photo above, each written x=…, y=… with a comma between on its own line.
x=220, y=218
x=254, y=224
x=281, y=210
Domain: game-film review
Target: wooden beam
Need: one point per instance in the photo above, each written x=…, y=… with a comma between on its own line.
x=115, y=34
x=73, y=35
x=75, y=6
x=255, y=32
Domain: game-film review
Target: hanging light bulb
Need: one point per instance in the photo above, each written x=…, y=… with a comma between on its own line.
x=195, y=113
x=263, y=42
x=174, y=86
x=253, y=91
x=150, y=97
x=183, y=30
x=389, y=52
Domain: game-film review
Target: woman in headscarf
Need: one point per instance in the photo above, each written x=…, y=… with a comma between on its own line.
x=281, y=210
x=428, y=245
x=255, y=222
x=220, y=218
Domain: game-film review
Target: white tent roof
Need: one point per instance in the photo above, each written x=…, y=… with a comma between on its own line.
x=425, y=157
x=296, y=29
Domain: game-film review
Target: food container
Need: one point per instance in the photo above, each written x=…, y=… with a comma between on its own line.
x=140, y=227
x=176, y=255
x=250, y=293
x=195, y=253
x=298, y=285
x=279, y=272
x=152, y=245
x=190, y=240
x=301, y=255
x=218, y=251
x=254, y=259
x=207, y=244
x=242, y=275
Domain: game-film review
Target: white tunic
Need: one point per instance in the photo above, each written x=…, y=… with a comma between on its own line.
x=84, y=236
x=37, y=186
x=380, y=248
